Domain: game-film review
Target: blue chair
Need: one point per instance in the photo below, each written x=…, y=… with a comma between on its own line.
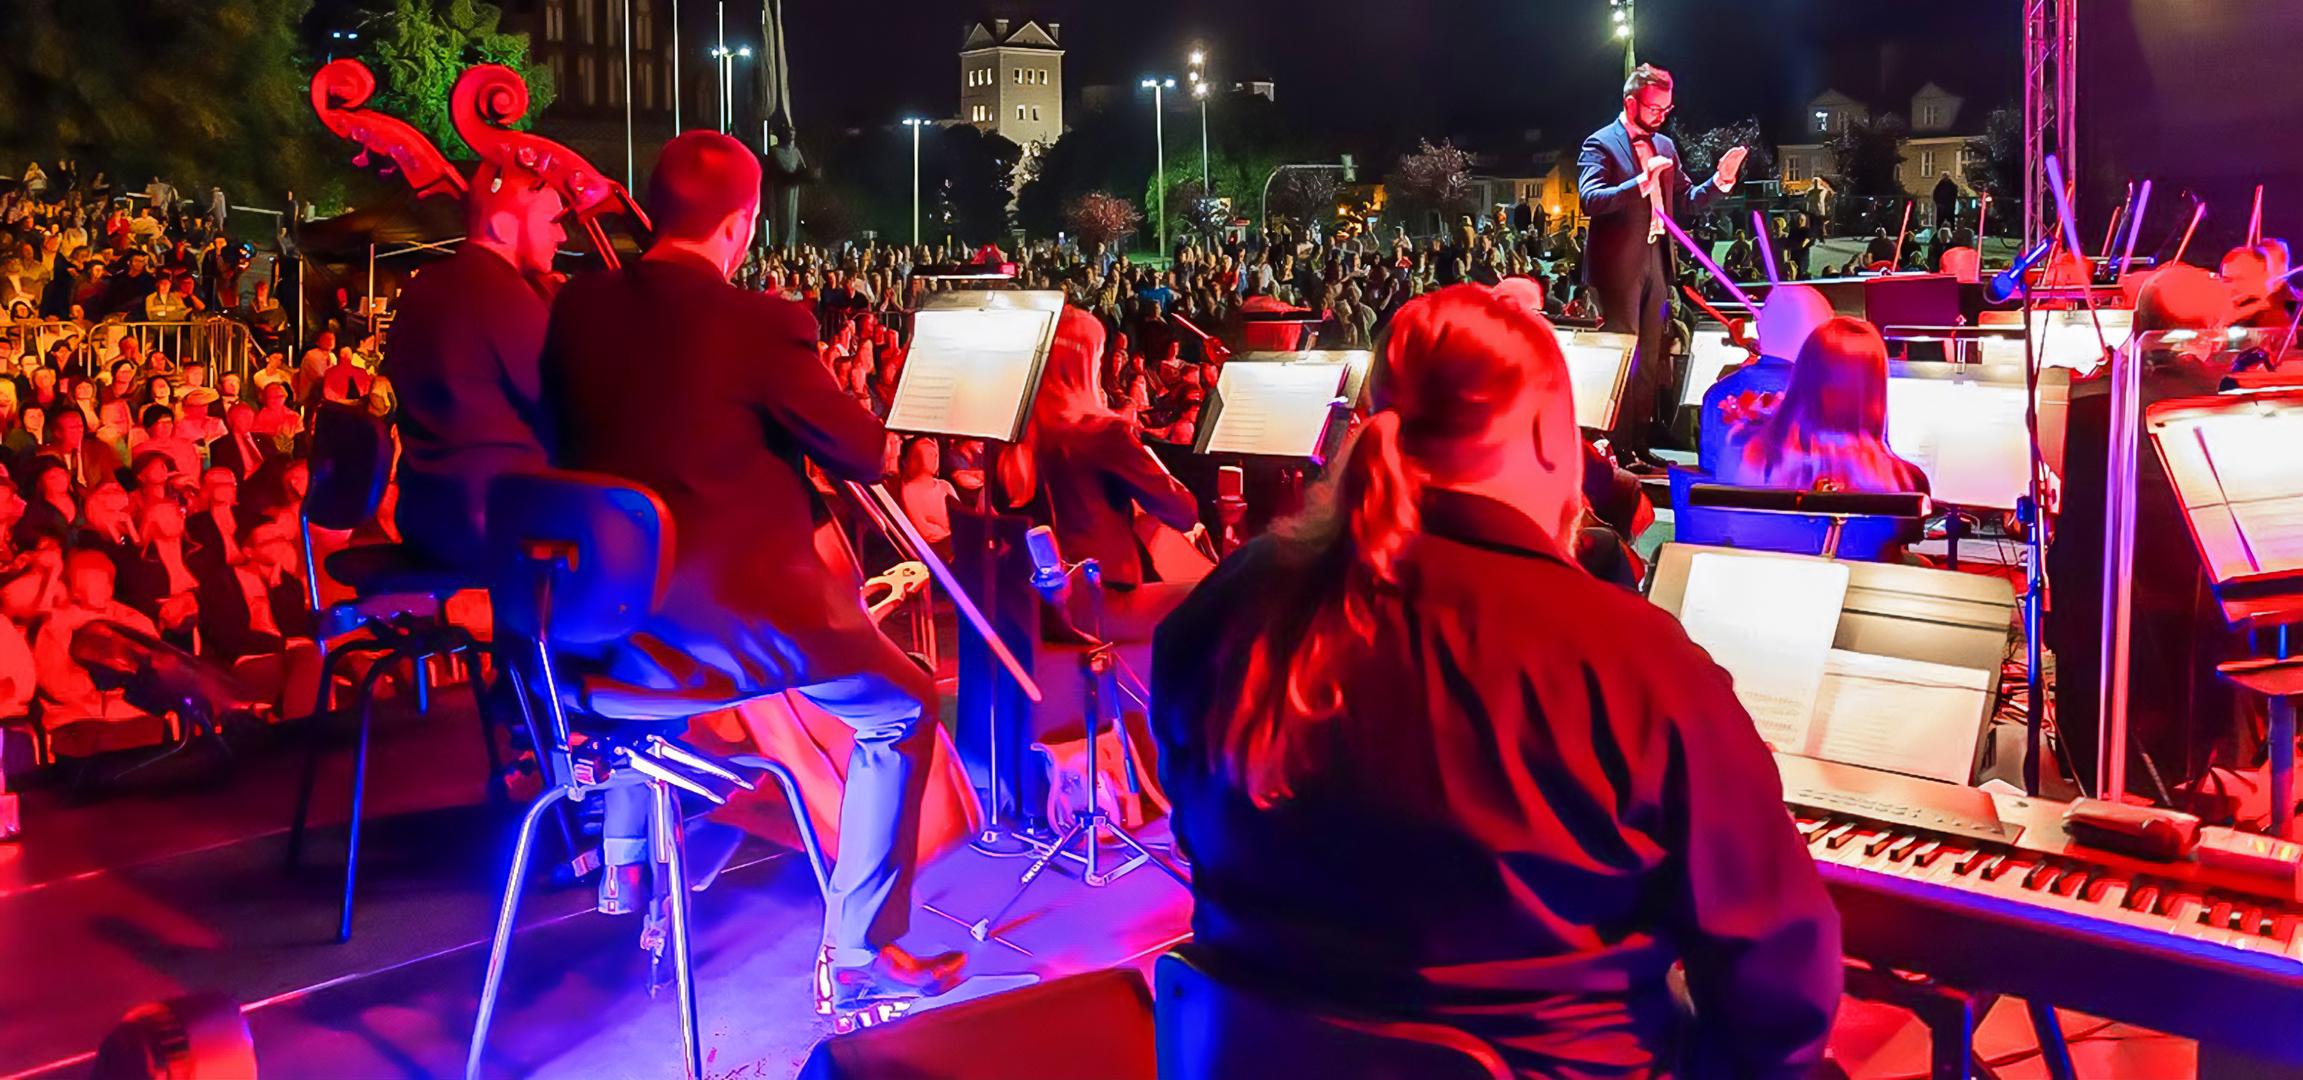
x=578, y=562
x=1835, y=525
x=1216, y=1027
x=351, y=463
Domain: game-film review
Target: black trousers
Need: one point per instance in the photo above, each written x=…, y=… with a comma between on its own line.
x=1639, y=303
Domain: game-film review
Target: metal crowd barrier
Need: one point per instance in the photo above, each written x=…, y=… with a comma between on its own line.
x=221, y=342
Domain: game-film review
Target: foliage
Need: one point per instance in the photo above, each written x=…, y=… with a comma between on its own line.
x=1306, y=197
x=1700, y=153
x=1868, y=162
x=964, y=182
x=1433, y=179
x=1100, y=217
x=422, y=46
x=1995, y=164
x=1112, y=150
x=207, y=93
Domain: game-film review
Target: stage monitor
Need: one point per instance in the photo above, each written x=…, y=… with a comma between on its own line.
x=1710, y=356
x=1598, y=363
x=1964, y=426
x=2234, y=464
x=973, y=370
x=1273, y=408
x=1880, y=665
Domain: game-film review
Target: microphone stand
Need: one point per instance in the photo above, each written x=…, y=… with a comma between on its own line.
x=1098, y=666
x=2029, y=510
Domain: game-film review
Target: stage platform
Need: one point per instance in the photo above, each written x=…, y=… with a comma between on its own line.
x=172, y=883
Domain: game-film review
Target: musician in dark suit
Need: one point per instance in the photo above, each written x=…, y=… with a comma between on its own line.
x=1428, y=769
x=463, y=355
x=1628, y=173
x=738, y=404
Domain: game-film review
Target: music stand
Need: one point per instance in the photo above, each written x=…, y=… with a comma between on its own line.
x=1290, y=330
x=1833, y=525
x=1710, y=356
x=2231, y=460
x=975, y=364
x=1893, y=620
x=1274, y=405
x=2064, y=339
x=1598, y=363
x=1964, y=425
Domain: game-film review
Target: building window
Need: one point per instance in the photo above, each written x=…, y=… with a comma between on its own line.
x=643, y=24
x=1822, y=120
x=615, y=82
x=1019, y=112
x=1791, y=170
x=559, y=68
x=1035, y=112
x=1019, y=76
x=644, y=77
x=587, y=78
x=1930, y=116
x=555, y=19
x=586, y=17
x=1926, y=163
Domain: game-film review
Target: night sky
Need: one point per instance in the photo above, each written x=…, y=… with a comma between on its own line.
x=1395, y=69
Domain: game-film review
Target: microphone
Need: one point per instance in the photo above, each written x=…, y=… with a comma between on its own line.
x=2010, y=281
x=1047, y=560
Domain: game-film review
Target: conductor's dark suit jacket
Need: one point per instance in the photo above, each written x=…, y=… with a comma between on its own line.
x=462, y=356
x=1607, y=183
x=664, y=374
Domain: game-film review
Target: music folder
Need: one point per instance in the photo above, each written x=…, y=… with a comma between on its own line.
x=1880, y=665
x=1964, y=426
x=2234, y=462
x=1709, y=358
x=975, y=364
x=1274, y=405
x=1598, y=362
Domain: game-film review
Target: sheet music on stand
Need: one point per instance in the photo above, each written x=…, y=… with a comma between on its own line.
x=1964, y=426
x=973, y=370
x=1774, y=623
x=1598, y=362
x=2236, y=462
x=2064, y=339
x=1709, y=357
x=1272, y=408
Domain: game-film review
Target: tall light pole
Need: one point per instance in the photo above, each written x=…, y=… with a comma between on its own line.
x=1199, y=90
x=1159, y=88
x=631, y=154
x=1626, y=19
x=915, y=123
x=727, y=59
x=676, y=87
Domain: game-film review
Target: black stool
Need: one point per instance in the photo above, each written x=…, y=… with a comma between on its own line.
x=579, y=562
x=351, y=462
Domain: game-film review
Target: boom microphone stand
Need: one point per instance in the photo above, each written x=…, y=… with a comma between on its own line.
x=1098, y=667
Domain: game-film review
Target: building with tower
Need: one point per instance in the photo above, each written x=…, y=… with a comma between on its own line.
x=1012, y=81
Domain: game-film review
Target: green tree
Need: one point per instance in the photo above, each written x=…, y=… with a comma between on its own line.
x=1995, y=166
x=423, y=46
x=1434, y=180
x=200, y=93
x=1868, y=158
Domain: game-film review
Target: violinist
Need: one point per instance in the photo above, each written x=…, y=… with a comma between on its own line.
x=1830, y=432
x=463, y=354
x=1080, y=470
x=1786, y=321
x=2257, y=274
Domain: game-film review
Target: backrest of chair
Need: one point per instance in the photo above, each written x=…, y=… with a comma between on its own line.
x=351, y=461
x=1783, y=522
x=1209, y=1028
x=604, y=546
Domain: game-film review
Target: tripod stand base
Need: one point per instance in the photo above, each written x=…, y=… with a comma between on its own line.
x=1087, y=829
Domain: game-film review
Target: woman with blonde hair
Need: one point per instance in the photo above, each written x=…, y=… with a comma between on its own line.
x=1428, y=769
x=1830, y=432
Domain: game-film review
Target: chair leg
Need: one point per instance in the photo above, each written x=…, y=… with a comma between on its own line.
x=312, y=747
x=805, y=825
x=671, y=850
x=359, y=793
x=523, y=848
x=496, y=792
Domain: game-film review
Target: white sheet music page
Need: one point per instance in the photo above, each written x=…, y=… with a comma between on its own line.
x=1596, y=362
x=1770, y=623
x=1970, y=439
x=1906, y=716
x=1274, y=409
x=968, y=372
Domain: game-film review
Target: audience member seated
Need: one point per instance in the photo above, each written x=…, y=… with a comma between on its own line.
x=67, y=694
x=1830, y=432
x=1546, y=796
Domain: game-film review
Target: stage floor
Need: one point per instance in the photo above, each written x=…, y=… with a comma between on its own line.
x=173, y=884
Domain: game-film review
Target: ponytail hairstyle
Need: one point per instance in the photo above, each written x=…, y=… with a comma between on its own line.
x=1456, y=363
x=1070, y=397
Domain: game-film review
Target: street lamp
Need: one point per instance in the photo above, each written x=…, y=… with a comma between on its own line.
x=1200, y=89
x=1159, y=88
x=727, y=58
x=1624, y=14
x=915, y=123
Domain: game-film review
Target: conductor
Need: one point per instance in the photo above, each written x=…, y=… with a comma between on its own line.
x=1628, y=179
x=740, y=404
